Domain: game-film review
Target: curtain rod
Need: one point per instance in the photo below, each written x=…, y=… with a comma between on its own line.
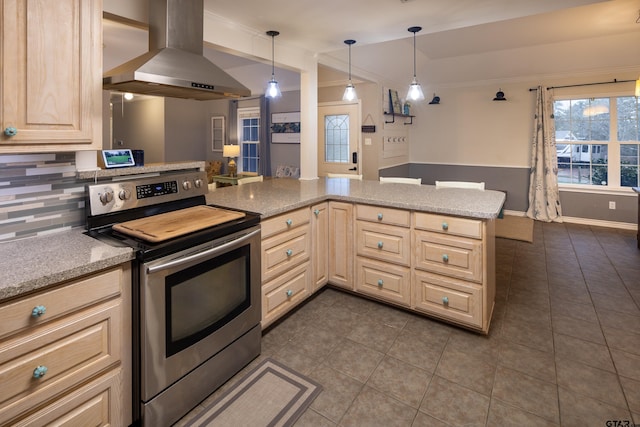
x=585, y=84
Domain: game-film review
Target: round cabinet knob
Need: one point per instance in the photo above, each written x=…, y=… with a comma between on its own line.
x=445, y=258
x=289, y=252
x=198, y=183
x=380, y=245
x=445, y=226
x=10, y=131
x=445, y=300
x=289, y=292
x=124, y=194
x=38, y=310
x=316, y=212
x=186, y=185
x=379, y=217
x=106, y=197
x=40, y=371
x=289, y=222
x=380, y=282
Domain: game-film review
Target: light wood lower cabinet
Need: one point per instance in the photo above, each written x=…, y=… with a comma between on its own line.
x=320, y=244
x=433, y=264
x=63, y=343
x=341, y=247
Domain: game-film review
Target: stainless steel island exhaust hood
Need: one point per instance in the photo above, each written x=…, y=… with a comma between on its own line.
x=175, y=66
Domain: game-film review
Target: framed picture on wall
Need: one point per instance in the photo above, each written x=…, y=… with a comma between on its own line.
x=394, y=99
x=217, y=133
x=285, y=128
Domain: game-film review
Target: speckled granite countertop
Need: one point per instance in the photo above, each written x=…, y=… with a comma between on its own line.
x=275, y=196
x=36, y=262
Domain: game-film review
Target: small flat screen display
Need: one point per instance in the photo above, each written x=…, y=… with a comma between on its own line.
x=118, y=158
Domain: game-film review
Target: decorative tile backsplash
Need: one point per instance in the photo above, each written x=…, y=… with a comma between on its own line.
x=39, y=194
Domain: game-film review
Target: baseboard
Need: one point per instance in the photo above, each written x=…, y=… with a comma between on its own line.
x=587, y=221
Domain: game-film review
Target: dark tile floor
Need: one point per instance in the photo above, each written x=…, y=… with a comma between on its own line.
x=563, y=349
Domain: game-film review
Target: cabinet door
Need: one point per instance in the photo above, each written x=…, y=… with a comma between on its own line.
x=341, y=244
x=51, y=68
x=320, y=244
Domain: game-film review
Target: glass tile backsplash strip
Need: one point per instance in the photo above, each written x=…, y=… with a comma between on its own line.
x=39, y=194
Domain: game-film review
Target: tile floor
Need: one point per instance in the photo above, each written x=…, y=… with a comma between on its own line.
x=563, y=349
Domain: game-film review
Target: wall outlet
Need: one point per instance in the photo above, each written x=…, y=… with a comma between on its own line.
x=612, y=205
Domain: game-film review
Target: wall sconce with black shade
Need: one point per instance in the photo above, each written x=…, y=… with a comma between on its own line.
x=273, y=90
x=350, y=90
x=435, y=100
x=499, y=96
x=415, y=91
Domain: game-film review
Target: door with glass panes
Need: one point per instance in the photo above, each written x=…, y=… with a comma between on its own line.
x=339, y=138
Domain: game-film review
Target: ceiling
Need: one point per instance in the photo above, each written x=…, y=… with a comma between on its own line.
x=451, y=28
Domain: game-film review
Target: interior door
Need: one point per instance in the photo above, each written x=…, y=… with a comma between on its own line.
x=339, y=138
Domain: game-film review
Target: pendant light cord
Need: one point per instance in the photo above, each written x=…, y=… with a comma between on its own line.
x=273, y=35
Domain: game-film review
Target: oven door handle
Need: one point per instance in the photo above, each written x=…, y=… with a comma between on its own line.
x=204, y=254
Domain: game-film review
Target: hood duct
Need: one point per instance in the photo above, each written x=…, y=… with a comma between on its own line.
x=175, y=66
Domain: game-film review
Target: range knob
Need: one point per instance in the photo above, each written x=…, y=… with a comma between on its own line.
x=198, y=183
x=106, y=197
x=186, y=185
x=124, y=194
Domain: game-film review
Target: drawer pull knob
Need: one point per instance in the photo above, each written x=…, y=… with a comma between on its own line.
x=289, y=292
x=445, y=300
x=445, y=258
x=445, y=226
x=10, y=131
x=316, y=212
x=39, y=371
x=380, y=217
x=380, y=282
x=289, y=252
x=38, y=310
x=289, y=222
x=380, y=245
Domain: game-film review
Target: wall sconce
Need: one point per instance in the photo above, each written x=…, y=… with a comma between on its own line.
x=231, y=151
x=350, y=90
x=273, y=90
x=499, y=96
x=435, y=100
x=415, y=91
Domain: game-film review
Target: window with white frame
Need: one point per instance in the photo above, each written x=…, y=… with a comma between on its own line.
x=249, y=139
x=598, y=141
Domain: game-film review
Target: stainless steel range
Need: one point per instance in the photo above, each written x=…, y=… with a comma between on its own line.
x=196, y=287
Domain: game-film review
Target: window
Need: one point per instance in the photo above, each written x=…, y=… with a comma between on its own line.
x=597, y=141
x=249, y=137
x=336, y=130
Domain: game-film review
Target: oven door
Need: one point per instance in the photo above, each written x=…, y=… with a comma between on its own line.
x=194, y=303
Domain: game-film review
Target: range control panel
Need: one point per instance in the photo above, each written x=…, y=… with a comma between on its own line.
x=132, y=192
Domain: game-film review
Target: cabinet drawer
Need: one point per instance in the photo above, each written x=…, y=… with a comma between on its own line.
x=449, y=255
x=383, y=215
x=284, y=293
x=384, y=281
x=449, y=225
x=282, y=252
x=60, y=301
x=94, y=404
x=448, y=298
x=383, y=242
x=72, y=349
x=284, y=222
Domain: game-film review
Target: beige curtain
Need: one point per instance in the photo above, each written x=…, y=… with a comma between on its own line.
x=544, y=198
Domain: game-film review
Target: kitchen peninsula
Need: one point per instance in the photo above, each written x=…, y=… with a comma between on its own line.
x=424, y=249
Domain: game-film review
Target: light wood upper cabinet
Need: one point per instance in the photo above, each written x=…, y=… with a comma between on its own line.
x=51, y=75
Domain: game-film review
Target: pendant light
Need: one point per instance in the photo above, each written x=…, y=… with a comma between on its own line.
x=273, y=90
x=350, y=90
x=415, y=91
